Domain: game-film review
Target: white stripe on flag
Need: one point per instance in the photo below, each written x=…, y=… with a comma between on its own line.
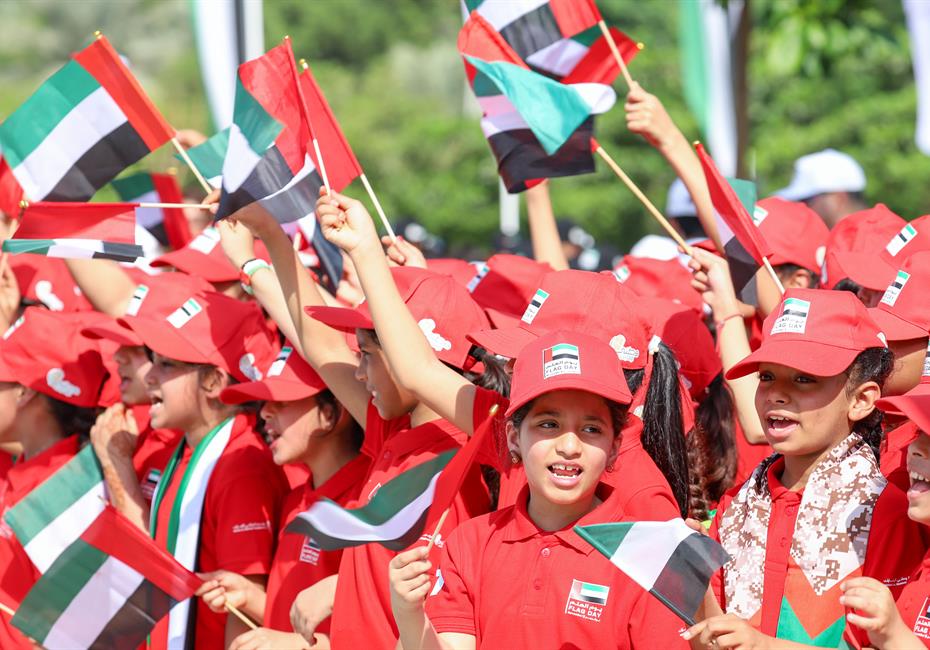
x=653, y=539
x=240, y=160
x=559, y=58
x=334, y=521
x=501, y=13
x=93, y=608
x=600, y=98
x=51, y=541
x=148, y=217
x=723, y=229
x=95, y=117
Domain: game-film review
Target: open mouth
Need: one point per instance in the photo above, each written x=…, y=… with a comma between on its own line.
x=779, y=426
x=920, y=484
x=565, y=474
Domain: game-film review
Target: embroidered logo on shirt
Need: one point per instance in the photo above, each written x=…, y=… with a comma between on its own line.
x=561, y=359
x=793, y=317
x=251, y=527
x=922, y=624
x=532, y=309
x=587, y=600
x=310, y=551
x=894, y=289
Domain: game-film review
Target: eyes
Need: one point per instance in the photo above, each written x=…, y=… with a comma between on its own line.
x=766, y=376
x=549, y=425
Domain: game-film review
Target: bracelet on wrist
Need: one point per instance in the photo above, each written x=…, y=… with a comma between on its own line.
x=720, y=323
x=248, y=269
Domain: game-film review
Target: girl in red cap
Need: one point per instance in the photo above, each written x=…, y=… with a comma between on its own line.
x=818, y=512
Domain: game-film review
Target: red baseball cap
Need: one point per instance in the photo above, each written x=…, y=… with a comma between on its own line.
x=460, y=270
x=443, y=309
x=289, y=379
x=506, y=282
x=45, y=351
x=854, y=247
x=915, y=403
x=203, y=256
x=816, y=331
x=47, y=281
x=795, y=233
x=582, y=301
x=904, y=311
x=913, y=238
x=210, y=328
x=564, y=360
x=668, y=279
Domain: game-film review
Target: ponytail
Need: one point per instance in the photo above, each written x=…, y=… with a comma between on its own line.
x=494, y=377
x=712, y=445
x=73, y=419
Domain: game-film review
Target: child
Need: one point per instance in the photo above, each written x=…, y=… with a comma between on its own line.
x=819, y=511
x=306, y=425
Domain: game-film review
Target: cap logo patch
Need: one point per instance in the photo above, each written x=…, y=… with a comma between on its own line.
x=926, y=372
x=46, y=295
x=622, y=273
x=624, y=352
x=206, y=241
x=759, y=214
x=15, y=326
x=247, y=367
x=55, y=378
x=899, y=241
x=894, y=289
x=533, y=308
x=183, y=314
x=479, y=276
x=278, y=366
x=436, y=340
x=138, y=296
x=561, y=359
x=793, y=317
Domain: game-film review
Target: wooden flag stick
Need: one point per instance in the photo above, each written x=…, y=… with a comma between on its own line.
x=380, y=210
x=7, y=610
x=616, y=52
x=190, y=163
x=644, y=199
x=768, y=266
x=303, y=107
x=232, y=609
x=432, y=540
x=298, y=239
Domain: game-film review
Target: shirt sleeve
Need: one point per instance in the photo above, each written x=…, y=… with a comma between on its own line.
x=450, y=606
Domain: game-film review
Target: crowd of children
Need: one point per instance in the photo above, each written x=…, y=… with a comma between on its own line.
x=226, y=394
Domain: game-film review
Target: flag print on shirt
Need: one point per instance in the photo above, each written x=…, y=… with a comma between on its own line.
x=310, y=551
x=587, y=600
x=561, y=359
x=922, y=624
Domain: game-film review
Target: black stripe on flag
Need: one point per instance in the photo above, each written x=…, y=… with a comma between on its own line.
x=301, y=526
x=99, y=165
x=119, y=252
x=742, y=268
x=683, y=581
x=564, y=355
x=296, y=202
x=135, y=619
x=520, y=157
x=270, y=175
x=799, y=314
x=533, y=31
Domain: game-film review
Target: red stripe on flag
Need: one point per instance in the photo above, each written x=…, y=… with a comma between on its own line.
x=479, y=39
x=103, y=63
x=177, y=228
x=115, y=222
x=599, y=64
x=574, y=16
x=10, y=191
x=117, y=537
x=341, y=165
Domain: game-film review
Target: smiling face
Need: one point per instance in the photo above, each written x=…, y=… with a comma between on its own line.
x=173, y=387
x=132, y=365
x=918, y=467
x=566, y=441
x=373, y=370
x=291, y=427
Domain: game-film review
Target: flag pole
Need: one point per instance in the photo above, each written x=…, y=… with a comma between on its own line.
x=306, y=114
x=380, y=210
x=599, y=150
x=7, y=610
x=432, y=539
x=768, y=266
x=298, y=240
x=232, y=609
x=616, y=52
x=190, y=163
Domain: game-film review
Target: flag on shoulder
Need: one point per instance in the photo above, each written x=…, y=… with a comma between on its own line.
x=78, y=231
x=107, y=590
x=81, y=128
x=48, y=519
x=666, y=558
x=168, y=225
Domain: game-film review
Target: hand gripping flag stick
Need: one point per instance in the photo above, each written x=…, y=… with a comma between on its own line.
x=232, y=609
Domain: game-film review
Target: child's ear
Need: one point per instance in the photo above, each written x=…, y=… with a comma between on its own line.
x=213, y=380
x=863, y=401
x=799, y=279
x=513, y=440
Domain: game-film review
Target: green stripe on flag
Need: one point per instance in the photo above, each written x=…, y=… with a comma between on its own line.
x=746, y=192
x=132, y=187
x=55, y=590
x=588, y=36
x=33, y=246
x=53, y=497
x=483, y=86
x=208, y=156
x=32, y=122
x=259, y=128
x=606, y=539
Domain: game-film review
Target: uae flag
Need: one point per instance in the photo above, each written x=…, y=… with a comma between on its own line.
x=48, y=519
x=168, y=225
x=107, y=590
x=10, y=191
x=78, y=231
x=208, y=157
x=743, y=243
x=81, y=128
x=666, y=558
x=401, y=509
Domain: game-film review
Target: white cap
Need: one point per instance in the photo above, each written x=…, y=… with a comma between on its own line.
x=678, y=203
x=656, y=247
x=825, y=171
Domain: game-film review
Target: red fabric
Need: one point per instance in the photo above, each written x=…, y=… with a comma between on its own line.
x=362, y=616
x=240, y=517
x=479, y=39
x=177, y=228
x=914, y=602
x=780, y=223
x=6, y=462
x=599, y=64
x=153, y=451
x=297, y=475
x=103, y=63
x=115, y=222
x=509, y=584
x=47, y=281
x=10, y=191
x=573, y=16
x=298, y=562
x=893, y=459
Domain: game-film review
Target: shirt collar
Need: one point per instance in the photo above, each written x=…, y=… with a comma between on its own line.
x=349, y=476
x=631, y=435
x=776, y=489
x=424, y=436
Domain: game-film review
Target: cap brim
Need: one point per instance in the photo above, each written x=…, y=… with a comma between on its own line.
x=914, y=404
x=797, y=192
x=811, y=357
x=273, y=389
x=501, y=320
x=113, y=332
x=506, y=342
x=341, y=318
x=165, y=340
x=204, y=266
x=896, y=328
x=865, y=269
x=569, y=382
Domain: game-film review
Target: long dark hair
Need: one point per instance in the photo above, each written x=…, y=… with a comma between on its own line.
x=663, y=435
x=72, y=419
x=712, y=447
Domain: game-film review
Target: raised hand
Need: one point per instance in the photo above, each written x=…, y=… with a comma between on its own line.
x=646, y=116
x=409, y=575
x=224, y=587
x=346, y=222
x=401, y=252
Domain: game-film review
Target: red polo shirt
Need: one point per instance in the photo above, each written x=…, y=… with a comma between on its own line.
x=510, y=584
x=914, y=602
x=298, y=562
x=240, y=517
x=153, y=451
x=18, y=572
x=894, y=453
x=6, y=462
x=362, y=616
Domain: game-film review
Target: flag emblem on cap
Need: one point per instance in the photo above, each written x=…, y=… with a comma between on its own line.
x=479, y=276
x=182, y=315
x=278, y=366
x=561, y=359
x=894, y=289
x=759, y=214
x=587, y=600
x=533, y=308
x=206, y=241
x=622, y=273
x=138, y=296
x=899, y=241
x=793, y=317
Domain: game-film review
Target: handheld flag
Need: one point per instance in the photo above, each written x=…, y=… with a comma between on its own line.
x=666, y=558
x=401, y=509
x=168, y=225
x=208, y=157
x=10, y=191
x=82, y=127
x=107, y=590
x=77, y=231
